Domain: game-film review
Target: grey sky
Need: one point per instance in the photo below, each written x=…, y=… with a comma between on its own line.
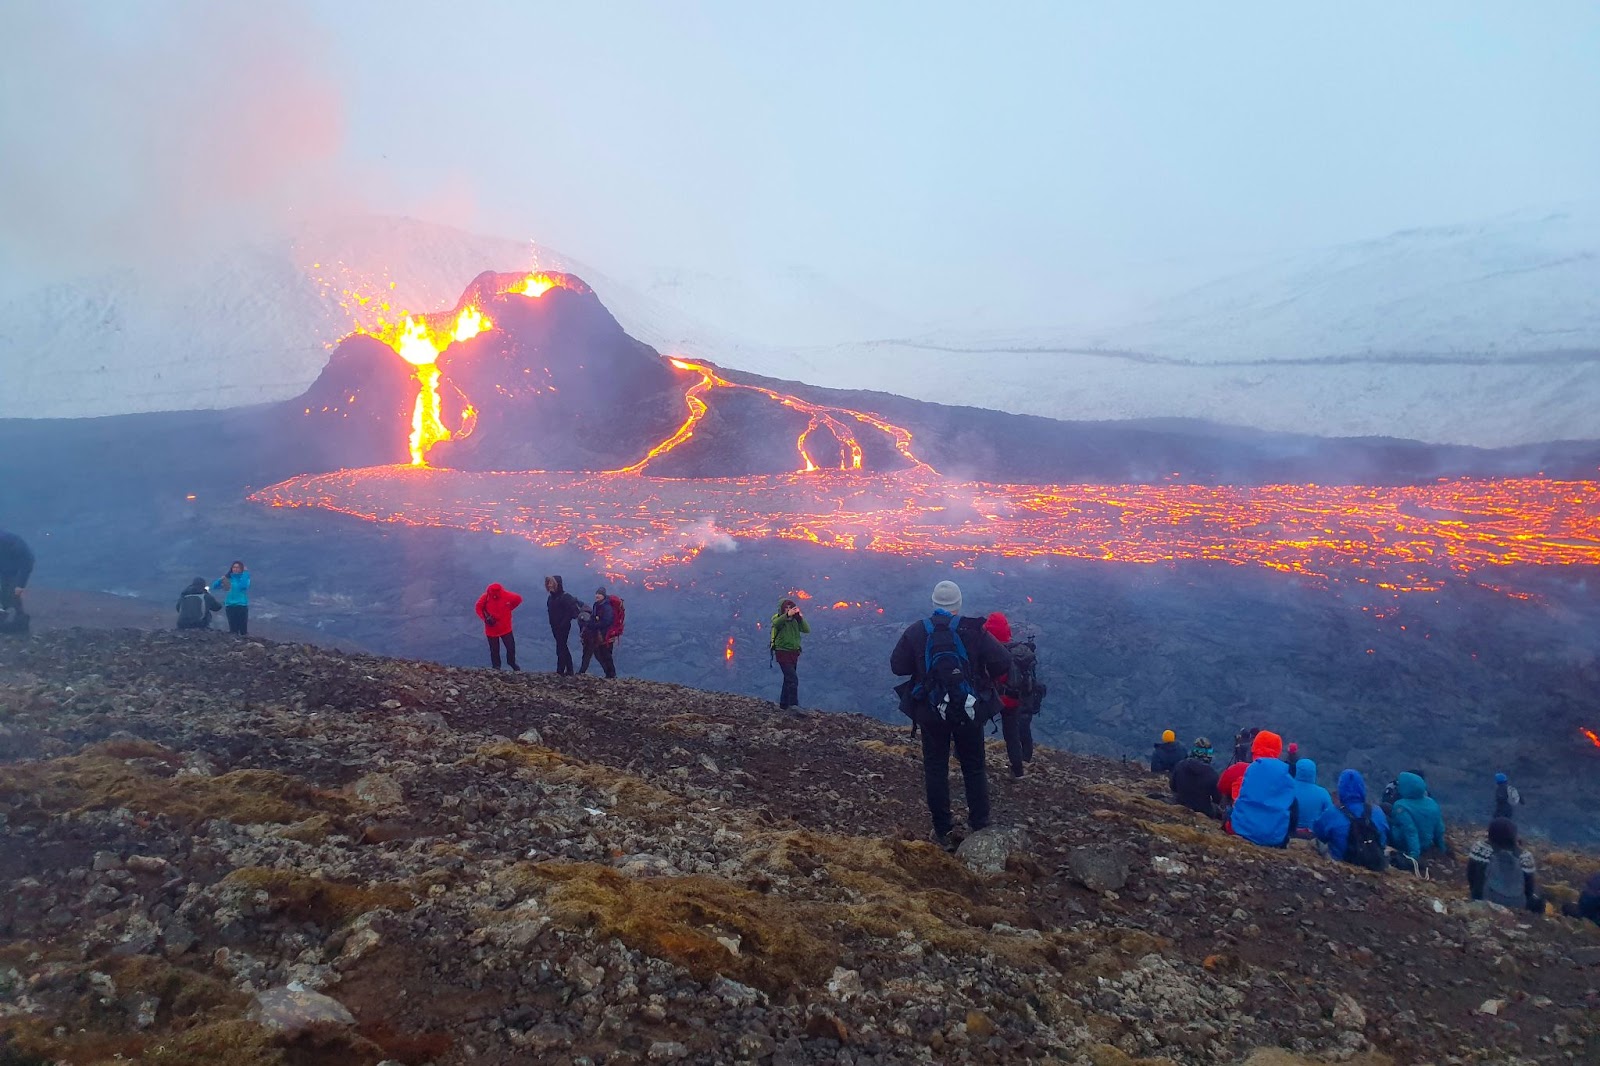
x=1028, y=160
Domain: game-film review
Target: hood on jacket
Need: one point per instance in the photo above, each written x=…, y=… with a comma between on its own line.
x=1267, y=745
x=197, y=585
x=560, y=588
x=999, y=627
x=1306, y=770
x=1503, y=833
x=1352, y=787
x=495, y=591
x=1411, y=785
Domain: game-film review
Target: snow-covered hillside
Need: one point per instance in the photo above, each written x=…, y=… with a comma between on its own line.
x=1486, y=334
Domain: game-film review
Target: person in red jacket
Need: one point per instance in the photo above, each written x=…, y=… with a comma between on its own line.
x=1016, y=722
x=494, y=608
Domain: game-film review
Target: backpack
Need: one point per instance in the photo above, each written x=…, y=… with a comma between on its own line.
x=946, y=683
x=192, y=613
x=1022, y=683
x=1363, y=846
x=615, y=632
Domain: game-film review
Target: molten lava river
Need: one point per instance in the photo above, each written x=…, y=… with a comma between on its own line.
x=1397, y=538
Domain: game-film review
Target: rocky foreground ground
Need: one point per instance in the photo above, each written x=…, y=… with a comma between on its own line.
x=214, y=850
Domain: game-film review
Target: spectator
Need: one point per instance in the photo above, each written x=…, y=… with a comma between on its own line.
x=1418, y=826
x=1166, y=754
x=196, y=605
x=494, y=608
x=1312, y=799
x=1194, y=780
x=1355, y=831
x=236, y=601
x=788, y=626
x=1265, y=810
x=1500, y=871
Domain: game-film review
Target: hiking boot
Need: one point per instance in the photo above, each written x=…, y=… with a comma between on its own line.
x=1017, y=772
x=943, y=840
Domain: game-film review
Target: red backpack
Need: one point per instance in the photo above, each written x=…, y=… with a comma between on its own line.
x=616, y=623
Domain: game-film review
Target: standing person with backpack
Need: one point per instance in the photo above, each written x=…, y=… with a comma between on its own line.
x=788, y=626
x=16, y=569
x=564, y=609
x=1020, y=693
x=1506, y=798
x=196, y=605
x=1499, y=871
x=494, y=609
x=601, y=629
x=1355, y=831
x=236, y=603
x=953, y=665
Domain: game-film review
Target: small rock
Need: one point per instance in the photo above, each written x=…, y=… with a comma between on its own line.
x=1491, y=1006
x=979, y=1025
x=380, y=791
x=824, y=1026
x=1098, y=868
x=734, y=994
x=107, y=860
x=390, y=705
x=1162, y=864
x=667, y=1051
x=987, y=850
x=1347, y=1013
x=285, y=1011
x=844, y=984
x=532, y=736
x=547, y=1036
x=585, y=974
x=1587, y=955
x=147, y=864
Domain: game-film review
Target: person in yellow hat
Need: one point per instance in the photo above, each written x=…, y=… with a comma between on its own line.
x=1166, y=754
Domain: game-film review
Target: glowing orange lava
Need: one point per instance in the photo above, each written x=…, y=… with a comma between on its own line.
x=419, y=340
x=536, y=285
x=727, y=653
x=1593, y=739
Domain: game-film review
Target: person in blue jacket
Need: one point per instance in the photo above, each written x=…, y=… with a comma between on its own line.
x=1418, y=825
x=1310, y=798
x=236, y=604
x=1265, y=811
x=1333, y=828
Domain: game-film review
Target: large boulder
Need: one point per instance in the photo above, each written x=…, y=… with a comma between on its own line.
x=987, y=850
x=286, y=1010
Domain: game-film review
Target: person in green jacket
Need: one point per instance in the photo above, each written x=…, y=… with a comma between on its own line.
x=1418, y=827
x=788, y=625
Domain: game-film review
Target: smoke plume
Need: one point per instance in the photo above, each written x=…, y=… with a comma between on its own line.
x=138, y=132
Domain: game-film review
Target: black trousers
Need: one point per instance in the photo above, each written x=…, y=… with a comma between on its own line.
x=789, y=695
x=8, y=592
x=1017, y=727
x=238, y=619
x=937, y=737
x=510, y=643
x=562, y=632
x=602, y=652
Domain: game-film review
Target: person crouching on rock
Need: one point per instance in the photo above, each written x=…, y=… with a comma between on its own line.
x=1194, y=780
x=788, y=626
x=564, y=609
x=1265, y=811
x=494, y=609
x=196, y=605
x=1166, y=754
x=953, y=665
x=235, y=584
x=597, y=635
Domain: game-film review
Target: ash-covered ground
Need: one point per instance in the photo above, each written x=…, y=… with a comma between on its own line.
x=483, y=868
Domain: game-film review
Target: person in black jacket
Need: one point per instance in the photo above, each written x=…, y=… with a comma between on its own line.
x=1194, y=780
x=196, y=605
x=16, y=568
x=597, y=634
x=1588, y=905
x=1166, y=754
x=944, y=725
x=564, y=609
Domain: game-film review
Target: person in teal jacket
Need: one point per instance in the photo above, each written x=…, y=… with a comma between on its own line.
x=1418, y=825
x=236, y=604
x=1311, y=799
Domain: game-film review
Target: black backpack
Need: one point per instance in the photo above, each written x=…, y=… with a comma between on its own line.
x=1022, y=683
x=192, y=612
x=1363, y=846
x=947, y=679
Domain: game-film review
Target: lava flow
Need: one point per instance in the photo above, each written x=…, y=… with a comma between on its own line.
x=1409, y=538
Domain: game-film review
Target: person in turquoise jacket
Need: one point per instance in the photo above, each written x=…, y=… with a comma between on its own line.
x=1310, y=798
x=1418, y=825
x=236, y=604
